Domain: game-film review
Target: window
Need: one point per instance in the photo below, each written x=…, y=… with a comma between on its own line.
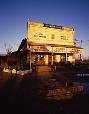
x=52, y=36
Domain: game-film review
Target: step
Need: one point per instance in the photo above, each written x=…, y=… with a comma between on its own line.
x=43, y=68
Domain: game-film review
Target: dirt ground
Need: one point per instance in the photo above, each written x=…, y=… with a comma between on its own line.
x=23, y=94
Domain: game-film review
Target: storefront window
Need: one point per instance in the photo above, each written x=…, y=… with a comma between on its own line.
x=52, y=36
x=41, y=57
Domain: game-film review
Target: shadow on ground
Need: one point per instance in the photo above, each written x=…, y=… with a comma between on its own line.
x=27, y=95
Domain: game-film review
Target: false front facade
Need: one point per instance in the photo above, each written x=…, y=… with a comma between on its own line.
x=49, y=44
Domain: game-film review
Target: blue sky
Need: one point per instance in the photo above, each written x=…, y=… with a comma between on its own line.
x=15, y=13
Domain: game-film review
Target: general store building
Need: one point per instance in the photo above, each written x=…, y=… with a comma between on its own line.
x=48, y=44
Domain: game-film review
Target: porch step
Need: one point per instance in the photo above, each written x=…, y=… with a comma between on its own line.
x=43, y=69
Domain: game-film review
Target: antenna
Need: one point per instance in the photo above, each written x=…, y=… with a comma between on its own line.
x=75, y=41
x=81, y=43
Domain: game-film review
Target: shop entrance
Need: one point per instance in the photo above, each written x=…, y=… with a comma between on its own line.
x=63, y=58
x=39, y=59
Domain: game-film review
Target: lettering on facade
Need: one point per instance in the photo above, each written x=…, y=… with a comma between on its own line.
x=64, y=38
x=40, y=49
x=68, y=50
x=56, y=49
x=74, y=50
x=39, y=35
x=37, y=48
x=59, y=50
x=53, y=26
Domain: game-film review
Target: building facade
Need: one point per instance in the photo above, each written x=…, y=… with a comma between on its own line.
x=49, y=44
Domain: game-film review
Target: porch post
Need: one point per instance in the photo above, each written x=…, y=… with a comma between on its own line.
x=66, y=55
x=52, y=55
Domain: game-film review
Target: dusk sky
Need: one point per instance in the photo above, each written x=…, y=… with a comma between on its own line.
x=15, y=13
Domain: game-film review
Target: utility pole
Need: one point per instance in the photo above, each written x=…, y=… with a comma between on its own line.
x=81, y=43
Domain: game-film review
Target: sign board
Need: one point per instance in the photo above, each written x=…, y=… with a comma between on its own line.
x=50, y=34
x=56, y=49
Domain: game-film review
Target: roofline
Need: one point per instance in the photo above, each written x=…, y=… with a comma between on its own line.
x=52, y=25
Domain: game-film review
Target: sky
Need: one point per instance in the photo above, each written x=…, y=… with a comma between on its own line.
x=15, y=13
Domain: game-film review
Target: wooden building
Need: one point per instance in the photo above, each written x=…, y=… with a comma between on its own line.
x=48, y=44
